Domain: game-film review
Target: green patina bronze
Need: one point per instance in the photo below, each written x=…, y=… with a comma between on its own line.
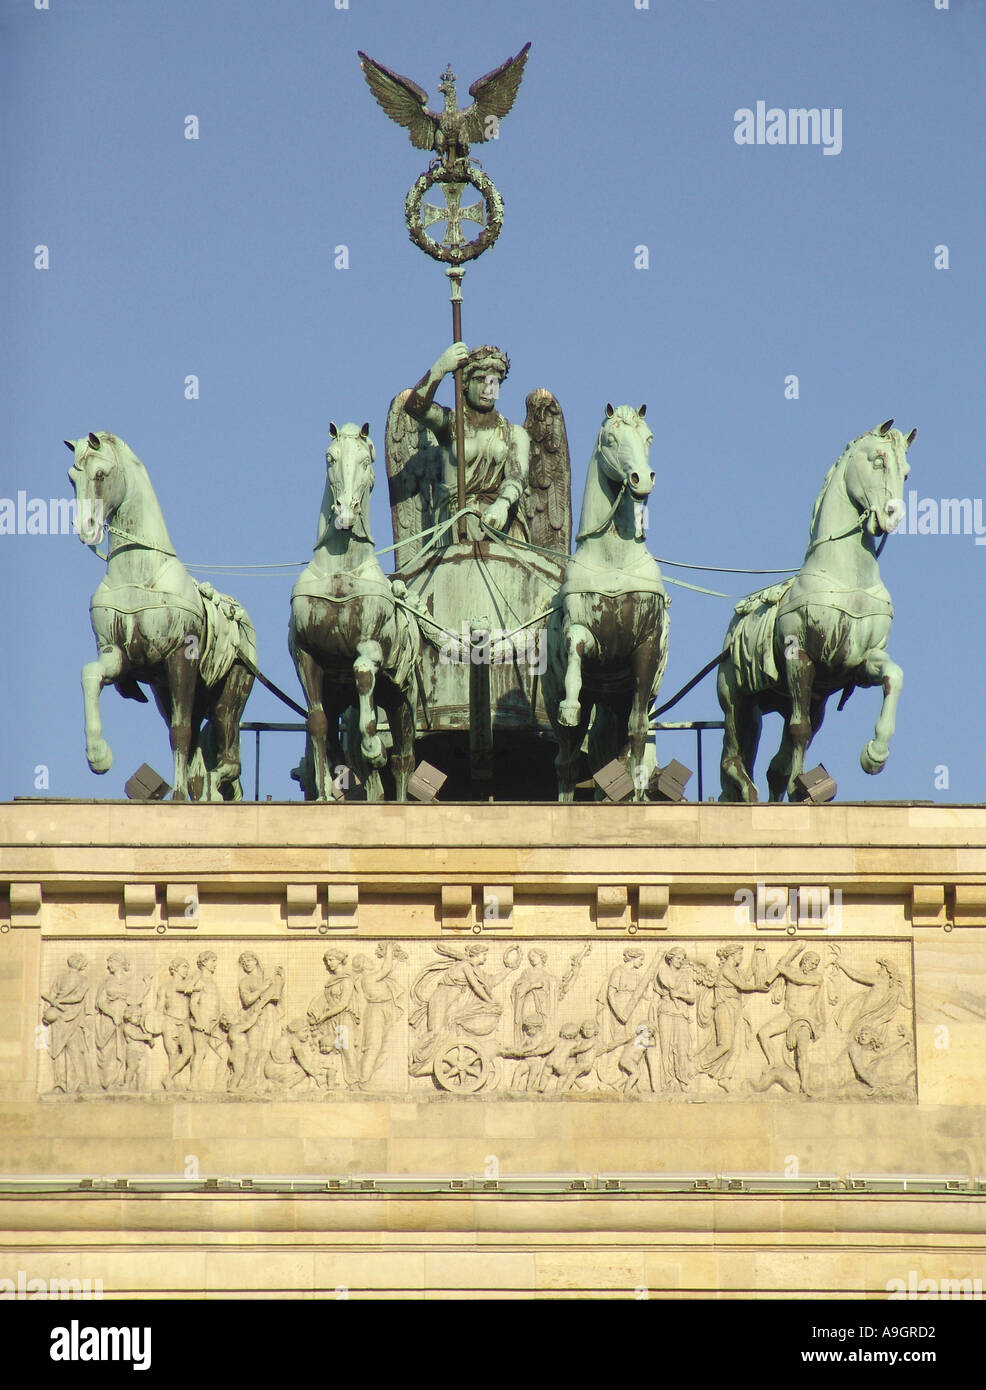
x=491, y=650
x=352, y=639
x=789, y=647
x=608, y=633
x=154, y=624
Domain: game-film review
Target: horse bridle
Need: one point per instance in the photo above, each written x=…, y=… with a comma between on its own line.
x=859, y=525
x=624, y=486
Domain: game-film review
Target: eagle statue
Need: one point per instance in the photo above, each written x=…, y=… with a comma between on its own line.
x=450, y=131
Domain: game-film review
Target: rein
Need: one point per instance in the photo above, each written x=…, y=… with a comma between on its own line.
x=132, y=540
x=603, y=525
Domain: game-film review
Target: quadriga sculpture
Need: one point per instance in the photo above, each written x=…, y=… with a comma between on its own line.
x=608, y=635
x=352, y=638
x=155, y=624
x=789, y=647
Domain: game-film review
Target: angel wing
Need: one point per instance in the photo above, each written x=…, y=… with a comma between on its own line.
x=416, y=469
x=548, y=500
x=494, y=95
x=404, y=101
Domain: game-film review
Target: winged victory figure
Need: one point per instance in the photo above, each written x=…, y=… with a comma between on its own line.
x=451, y=131
x=518, y=477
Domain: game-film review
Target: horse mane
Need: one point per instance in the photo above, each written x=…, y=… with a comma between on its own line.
x=841, y=462
x=123, y=451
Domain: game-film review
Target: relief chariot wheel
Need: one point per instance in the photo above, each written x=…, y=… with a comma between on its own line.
x=453, y=181
x=461, y=1067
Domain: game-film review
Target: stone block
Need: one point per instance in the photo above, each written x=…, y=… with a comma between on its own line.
x=457, y=910
x=25, y=904
x=302, y=907
x=343, y=906
x=612, y=907
x=140, y=906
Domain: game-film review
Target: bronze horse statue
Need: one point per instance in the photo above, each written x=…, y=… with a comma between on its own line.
x=155, y=624
x=608, y=633
x=789, y=647
x=352, y=639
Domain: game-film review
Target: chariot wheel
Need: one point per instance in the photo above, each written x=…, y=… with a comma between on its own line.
x=461, y=1067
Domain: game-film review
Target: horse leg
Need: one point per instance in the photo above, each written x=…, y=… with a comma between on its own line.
x=798, y=726
x=369, y=659
x=182, y=677
x=644, y=664
x=107, y=668
x=882, y=671
x=316, y=721
x=753, y=726
x=740, y=736
x=569, y=747
x=340, y=771
x=400, y=714
x=608, y=734
x=579, y=643
x=779, y=771
x=226, y=714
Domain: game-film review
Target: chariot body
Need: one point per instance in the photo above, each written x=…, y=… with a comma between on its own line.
x=482, y=592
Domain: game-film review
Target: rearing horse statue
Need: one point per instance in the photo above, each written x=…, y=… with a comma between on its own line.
x=154, y=623
x=789, y=647
x=352, y=638
x=608, y=633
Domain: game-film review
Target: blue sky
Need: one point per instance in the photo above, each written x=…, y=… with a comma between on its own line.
x=214, y=257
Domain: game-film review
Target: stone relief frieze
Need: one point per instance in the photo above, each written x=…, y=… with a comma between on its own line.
x=693, y=1019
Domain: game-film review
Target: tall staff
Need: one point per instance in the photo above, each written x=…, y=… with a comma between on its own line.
x=450, y=133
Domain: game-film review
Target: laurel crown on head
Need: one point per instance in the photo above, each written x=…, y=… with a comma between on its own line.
x=486, y=357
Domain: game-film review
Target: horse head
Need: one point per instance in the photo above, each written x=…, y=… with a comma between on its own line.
x=875, y=471
x=100, y=480
x=623, y=449
x=349, y=471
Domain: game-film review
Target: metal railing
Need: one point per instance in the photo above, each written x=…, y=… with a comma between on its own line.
x=258, y=727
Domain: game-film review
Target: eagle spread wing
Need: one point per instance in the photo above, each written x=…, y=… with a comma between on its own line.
x=494, y=95
x=404, y=101
x=416, y=474
x=548, y=500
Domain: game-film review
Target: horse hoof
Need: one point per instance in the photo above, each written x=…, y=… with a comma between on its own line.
x=372, y=750
x=99, y=756
x=569, y=713
x=871, y=760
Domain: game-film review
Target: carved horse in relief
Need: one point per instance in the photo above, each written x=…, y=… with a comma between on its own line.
x=155, y=624
x=790, y=646
x=352, y=639
x=608, y=633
